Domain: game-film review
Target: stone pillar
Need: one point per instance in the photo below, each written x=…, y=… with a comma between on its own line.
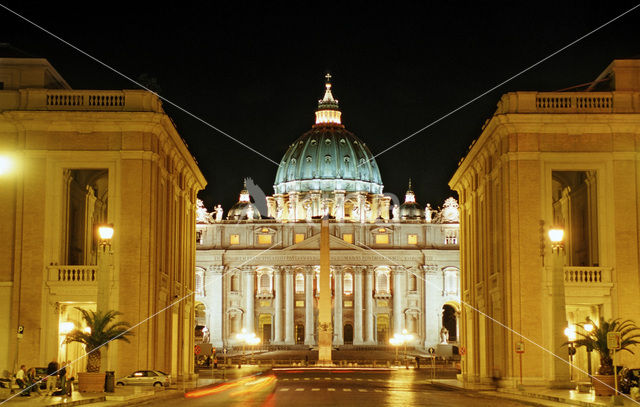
x=277, y=306
x=362, y=202
x=368, y=306
x=398, y=293
x=309, y=323
x=339, y=206
x=288, y=320
x=294, y=199
x=315, y=203
x=385, y=202
x=214, y=306
x=432, y=305
x=357, y=306
x=325, y=330
x=337, y=308
x=249, y=299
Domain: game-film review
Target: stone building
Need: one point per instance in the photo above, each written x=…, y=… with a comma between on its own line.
x=543, y=159
x=83, y=158
x=388, y=274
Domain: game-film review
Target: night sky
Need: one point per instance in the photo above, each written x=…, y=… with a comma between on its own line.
x=257, y=72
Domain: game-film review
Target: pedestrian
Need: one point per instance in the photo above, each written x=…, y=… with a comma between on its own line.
x=34, y=385
x=52, y=377
x=71, y=377
x=21, y=380
x=62, y=374
x=417, y=362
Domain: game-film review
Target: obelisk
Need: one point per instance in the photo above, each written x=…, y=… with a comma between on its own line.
x=325, y=331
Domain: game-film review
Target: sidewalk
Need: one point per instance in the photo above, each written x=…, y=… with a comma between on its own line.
x=541, y=396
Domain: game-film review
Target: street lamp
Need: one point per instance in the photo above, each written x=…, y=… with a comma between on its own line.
x=399, y=340
x=105, y=234
x=570, y=333
x=247, y=339
x=6, y=164
x=588, y=327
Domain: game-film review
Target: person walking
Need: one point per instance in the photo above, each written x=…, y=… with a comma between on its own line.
x=71, y=377
x=52, y=377
x=21, y=380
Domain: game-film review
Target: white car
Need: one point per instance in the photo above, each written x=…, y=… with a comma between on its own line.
x=154, y=378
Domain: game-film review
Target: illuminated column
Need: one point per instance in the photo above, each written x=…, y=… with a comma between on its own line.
x=281, y=208
x=339, y=206
x=431, y=305
x=308, y=306
x=315, y=203
x=288, y=320
x=362, y=203
x=214, y=306
x=277, y=280
x=368, y=305
x=249, y=299
x=294, y=199
x=357, y=306
x=397, y=299
x=385, y=201
x=337, y=307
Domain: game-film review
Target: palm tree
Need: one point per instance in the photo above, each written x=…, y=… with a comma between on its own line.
x=102, y=330
x=597, y=340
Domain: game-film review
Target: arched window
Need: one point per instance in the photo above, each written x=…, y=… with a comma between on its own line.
x=382, y=281
x=347, y=282
x=299, y=283
x=265, y=283
x=235, y=286
x=413, y=282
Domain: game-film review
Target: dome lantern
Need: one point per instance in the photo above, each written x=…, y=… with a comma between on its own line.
x=328, y=112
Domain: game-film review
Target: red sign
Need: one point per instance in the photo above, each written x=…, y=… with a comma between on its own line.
x=519, y=347
x=463, y=351
x=196, y=350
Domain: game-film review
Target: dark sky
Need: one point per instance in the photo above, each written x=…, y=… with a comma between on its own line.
x=257, y=72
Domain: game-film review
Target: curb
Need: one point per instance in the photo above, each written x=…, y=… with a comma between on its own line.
x=79, y=402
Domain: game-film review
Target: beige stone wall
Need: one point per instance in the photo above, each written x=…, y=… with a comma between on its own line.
x=504, y=185
x=153, y=181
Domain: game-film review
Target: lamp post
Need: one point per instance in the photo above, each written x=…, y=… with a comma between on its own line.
x=247, y=338
x=105, y=233
x=570, y=333
x=559, y=371
x=401, y=340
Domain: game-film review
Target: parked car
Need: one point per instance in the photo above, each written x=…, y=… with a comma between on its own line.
x=154, y=378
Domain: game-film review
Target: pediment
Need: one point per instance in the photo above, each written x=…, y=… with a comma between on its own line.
x=313, y=243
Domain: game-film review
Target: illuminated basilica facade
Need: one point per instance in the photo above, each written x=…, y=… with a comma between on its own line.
x=392, y=268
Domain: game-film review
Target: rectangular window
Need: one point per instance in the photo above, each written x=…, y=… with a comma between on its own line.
x=383, y=303
x=451, y=237
x=348, y=304
x=382, y=239
x=198, y=236
x=264, y=239
x=347, y=237
x=234, y=239
x=299, y=304
x=299, y=237
x=265, y=303
x=412, y=239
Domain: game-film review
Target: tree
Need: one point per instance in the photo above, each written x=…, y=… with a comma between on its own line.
x=101, y=330
x=597, y=340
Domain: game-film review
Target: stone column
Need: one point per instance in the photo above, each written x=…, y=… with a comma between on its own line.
x=337, y=308
x=398, y=293
x=288, y=313
x=339, y=206
x=294, y=198
x=277, y=306
x=362, y=201
x=432, y=307
x=308, y=306
x=315, y=203
x=357, y=306
x=249, y=299
x=368, y=306
x=214, y=306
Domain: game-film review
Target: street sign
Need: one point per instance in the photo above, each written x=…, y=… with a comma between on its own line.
x=613, y=340
x=519, y=347
x=196, y=350
x=20, y=331
x=432, y=350
x=463, y=351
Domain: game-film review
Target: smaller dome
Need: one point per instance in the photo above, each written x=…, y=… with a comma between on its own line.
x=410, y=210
x=243, y=209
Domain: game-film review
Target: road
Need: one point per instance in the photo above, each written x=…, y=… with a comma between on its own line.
x=297, y=387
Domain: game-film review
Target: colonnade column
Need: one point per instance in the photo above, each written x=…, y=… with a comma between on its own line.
x=249, y=298
x=337, y=308
x=308, y=306
x=357, y=306
x=277, y=318
x=214, y=298
x=368, y=306
x=339, y=206
x=431, y=317
x=288, y=305
x=397, y=299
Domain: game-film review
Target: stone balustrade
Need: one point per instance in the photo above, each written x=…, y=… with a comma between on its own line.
x=72, y=274
x=587, y=275
x=569, y=102
x=80, y=100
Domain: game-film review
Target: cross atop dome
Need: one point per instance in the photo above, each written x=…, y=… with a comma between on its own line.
x=328, y=112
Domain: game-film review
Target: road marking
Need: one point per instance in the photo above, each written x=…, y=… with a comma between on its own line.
x=284, y=380
x=315, y=389
x=299, y=389
x=369, y=380
x=296, y=378
x=327, y=378
x=346, y=389
x=284, y=389
x=348, y=378
x=378, y=391
x=338, y=378
x=307, y=378
x=362, y=390
x=316, y=378
x=359, y=380
x=331, y=389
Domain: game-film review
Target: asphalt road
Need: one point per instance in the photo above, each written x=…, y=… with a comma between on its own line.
x=296, y=387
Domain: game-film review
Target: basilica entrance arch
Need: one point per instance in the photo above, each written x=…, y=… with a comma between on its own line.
x=348, y=334
x=382, y=323
x=264, y=328
x=449, y=321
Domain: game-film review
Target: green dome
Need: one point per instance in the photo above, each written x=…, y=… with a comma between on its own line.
x=328, y=157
